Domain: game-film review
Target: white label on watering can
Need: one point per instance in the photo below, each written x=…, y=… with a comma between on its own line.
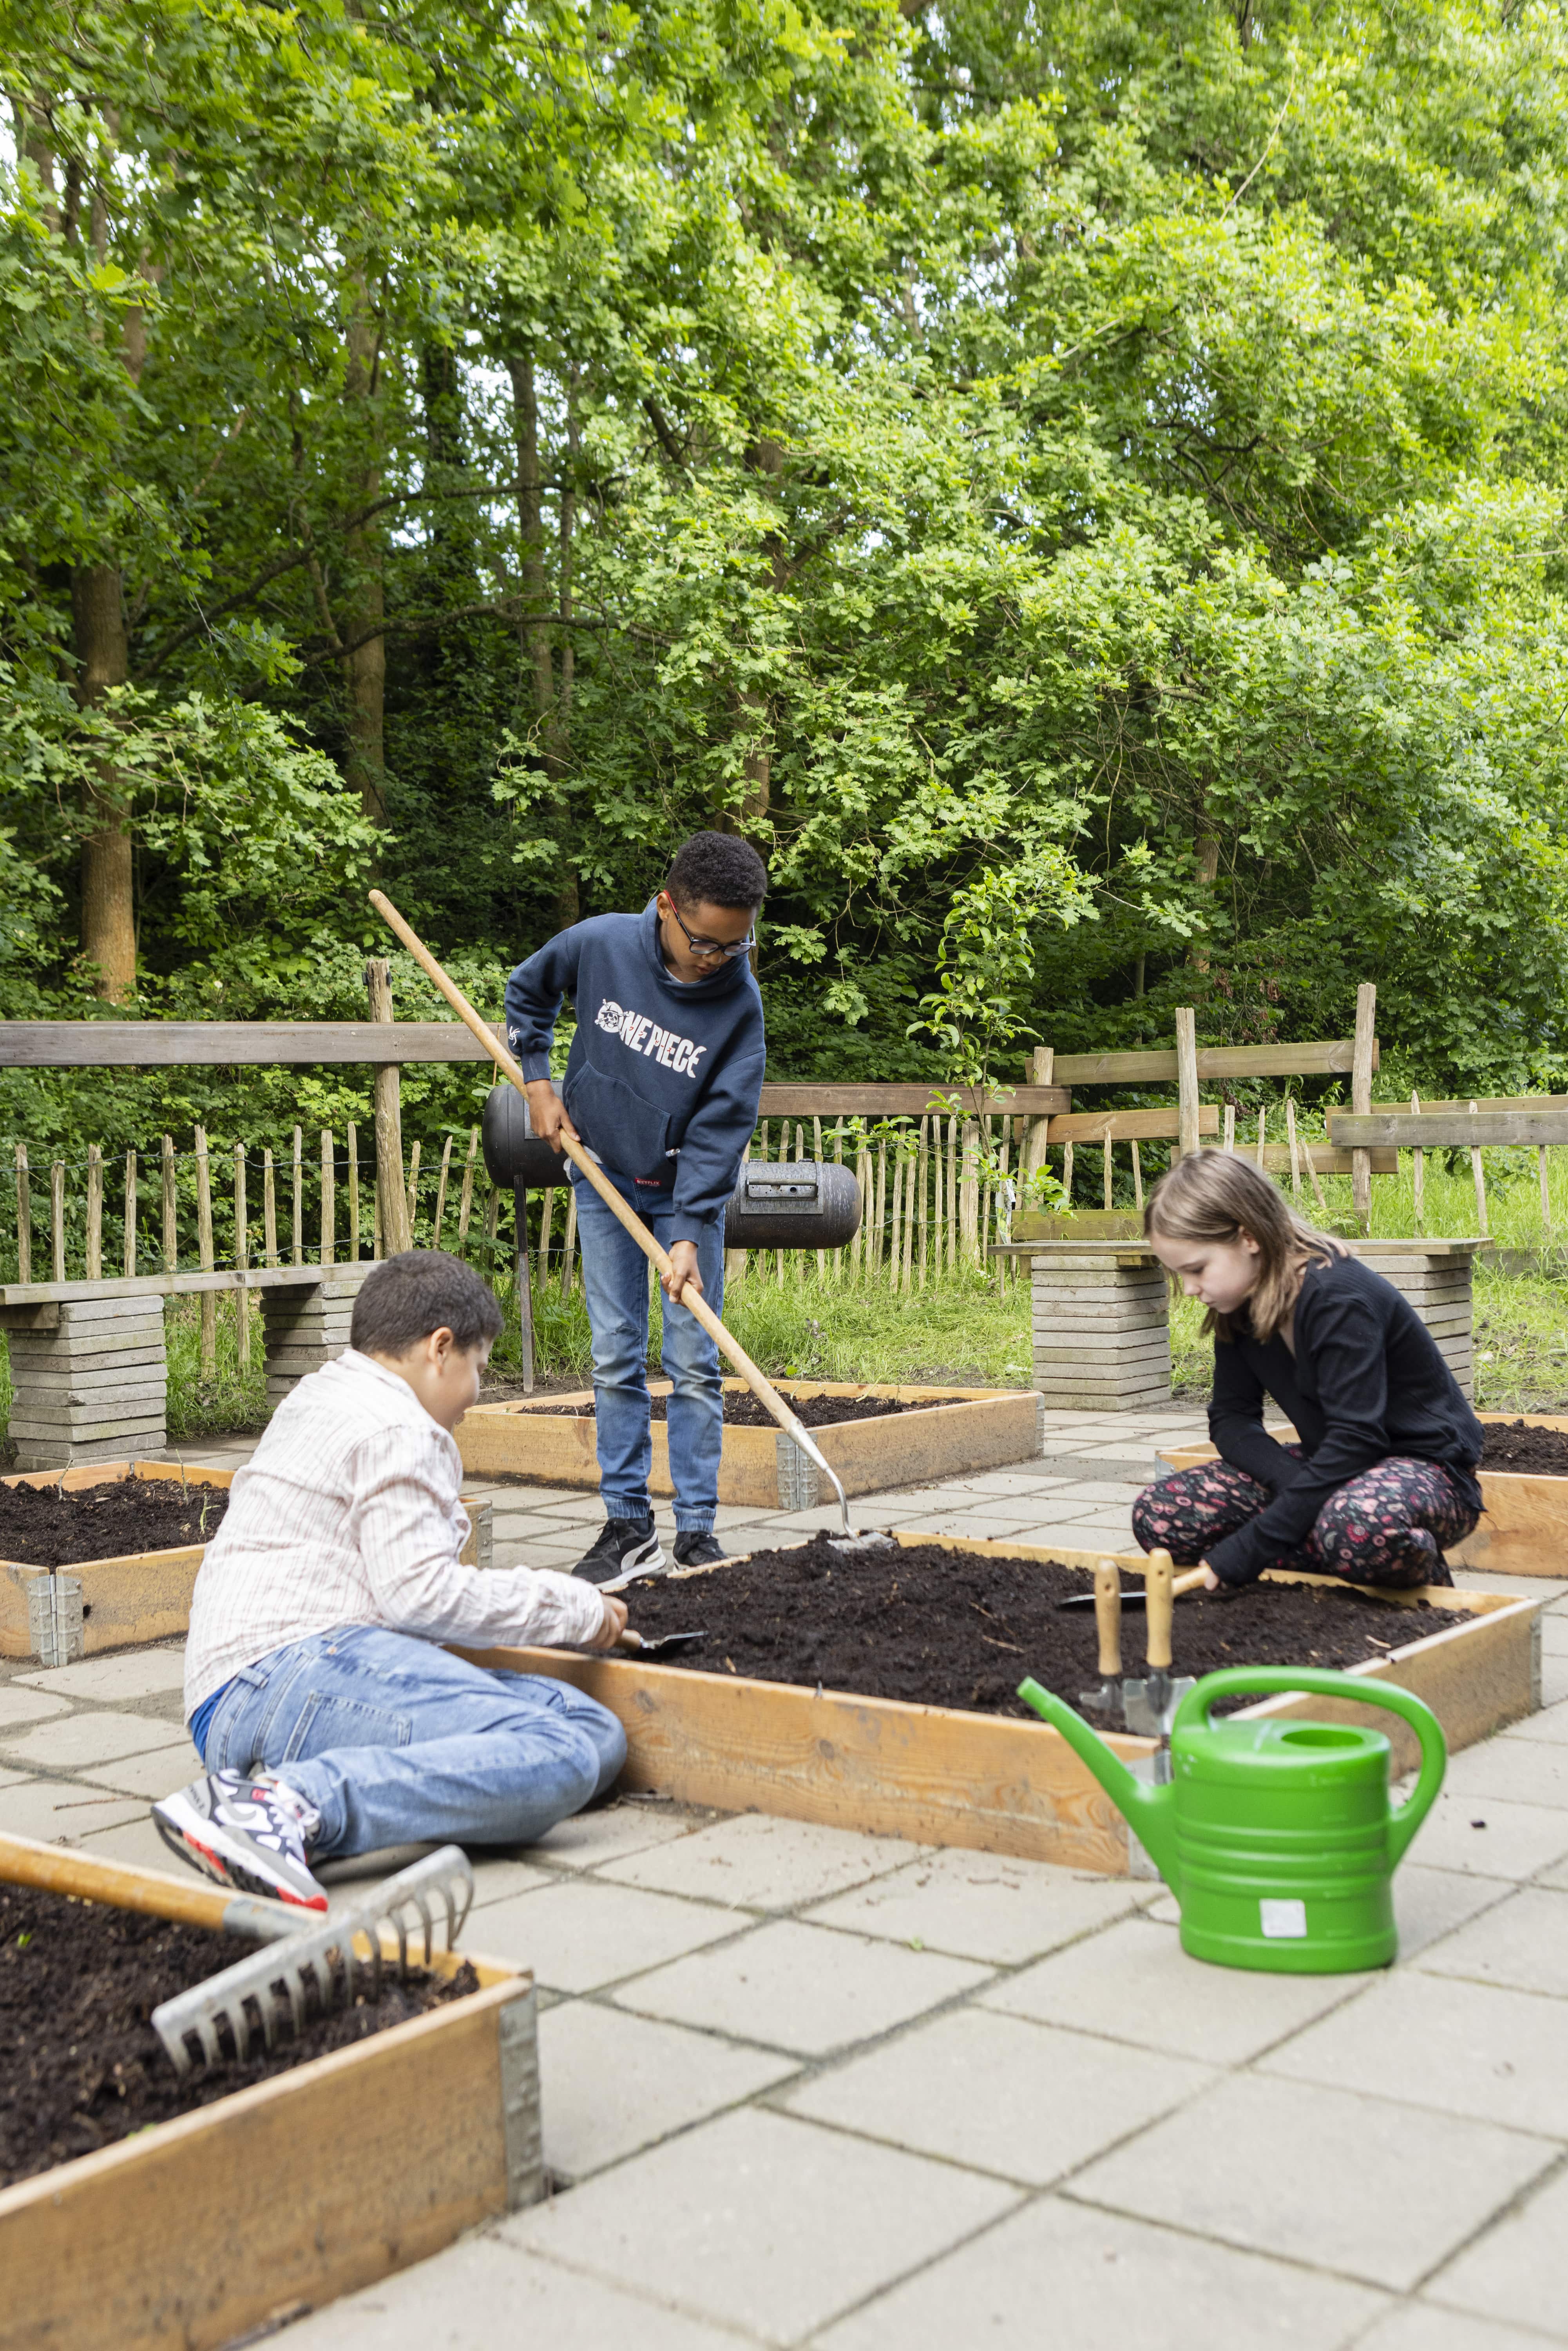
x=1283, y=1921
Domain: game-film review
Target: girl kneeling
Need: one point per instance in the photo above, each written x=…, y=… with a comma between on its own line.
x=1384, y=1473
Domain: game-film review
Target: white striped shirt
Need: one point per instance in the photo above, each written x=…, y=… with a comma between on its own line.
x=348, y=1513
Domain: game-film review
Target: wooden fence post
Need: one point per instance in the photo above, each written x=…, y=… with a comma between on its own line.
x=209, y=1304
x=1479, y=1174
x=922, y=1187
x=58, y=1216
x=1262, y=1117
x=130, y=1215
x=328, y=1198
x=952, y=1193
x=268, y=1210
x=353, y=1194
x=1137, y=1176
x=1066, y=1172
x=412, y=1194
x=242, y=1260
x=1361, y=1098
x=94, y=1212
x=466, y=1201
x=390, y=1193
x=296, y=1238
x=171, y=1209
x=1295, y=1149
x=546, y=1218
x=1110, y=1185
x=1037, y=1132
x=970, y=1193
x=1186, y=1080
x=440, y=1191
x=816, y=1155
x=24, y=1217
x=1546, y=1194
x=1227, y=1137
x=1417, y=1172
x=568, y=1247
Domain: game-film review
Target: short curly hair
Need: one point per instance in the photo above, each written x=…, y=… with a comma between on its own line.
x=717, y=869
x=405, y=1297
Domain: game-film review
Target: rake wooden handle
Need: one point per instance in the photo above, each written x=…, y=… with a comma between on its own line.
x=185, y=1901
x=1108, y=1617
x=755, y=1380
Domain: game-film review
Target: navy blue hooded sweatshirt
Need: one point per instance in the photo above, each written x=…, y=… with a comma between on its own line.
x=664, y=1079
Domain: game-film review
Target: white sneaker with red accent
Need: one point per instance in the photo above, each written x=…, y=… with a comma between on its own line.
x=248, y=1830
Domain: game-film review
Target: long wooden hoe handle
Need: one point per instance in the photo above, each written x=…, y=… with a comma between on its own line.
x=755, y=1380
x=24, y=1862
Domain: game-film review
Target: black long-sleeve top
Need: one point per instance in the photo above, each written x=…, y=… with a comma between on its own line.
x=1365, y=1381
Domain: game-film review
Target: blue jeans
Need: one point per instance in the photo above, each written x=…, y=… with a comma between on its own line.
x=396, y=1742
x=615, y=1282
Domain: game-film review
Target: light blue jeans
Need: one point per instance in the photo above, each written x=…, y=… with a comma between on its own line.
x=396, y=1742
x=615, y=1282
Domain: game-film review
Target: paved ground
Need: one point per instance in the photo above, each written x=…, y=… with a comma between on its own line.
x=805, y=2087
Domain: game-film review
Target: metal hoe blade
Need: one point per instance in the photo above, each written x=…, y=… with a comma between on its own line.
x=278, y=1979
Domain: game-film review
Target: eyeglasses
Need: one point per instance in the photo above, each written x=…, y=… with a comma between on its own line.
x=727, y=949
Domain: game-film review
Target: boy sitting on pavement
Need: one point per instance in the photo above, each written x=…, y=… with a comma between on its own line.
x=330, y=1718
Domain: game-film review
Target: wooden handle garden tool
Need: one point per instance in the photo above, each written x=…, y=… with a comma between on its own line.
x=186, y=1900
x=1107, y=1698
x=757, y=1381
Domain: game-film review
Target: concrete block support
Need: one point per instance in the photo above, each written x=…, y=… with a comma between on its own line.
x=307, y=1327
x=1101, y=1327
x=94, y=1388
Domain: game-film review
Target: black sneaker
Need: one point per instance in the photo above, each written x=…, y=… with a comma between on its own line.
x=698, y=1550
x=623, y=1548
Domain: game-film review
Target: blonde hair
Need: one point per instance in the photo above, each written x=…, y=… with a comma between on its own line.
x=1213, y=1195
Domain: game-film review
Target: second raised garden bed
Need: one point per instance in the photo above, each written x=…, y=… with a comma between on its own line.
x=228, y=2221
x=61, y=1603
x=938, y=1432
x=945, y=1775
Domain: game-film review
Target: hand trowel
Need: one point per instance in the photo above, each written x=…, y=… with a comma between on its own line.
x=1152, y=1703
x=1108, y=1697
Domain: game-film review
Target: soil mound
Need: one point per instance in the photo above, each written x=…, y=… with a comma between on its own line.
x=48, y=1526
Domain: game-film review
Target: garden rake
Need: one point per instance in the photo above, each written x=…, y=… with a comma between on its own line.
x=262, y=1987
x=755, y=1380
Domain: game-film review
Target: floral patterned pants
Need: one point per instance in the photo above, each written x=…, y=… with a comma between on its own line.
x=1387, y=1526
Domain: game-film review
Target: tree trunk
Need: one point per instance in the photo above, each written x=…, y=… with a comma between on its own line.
x=365, y=665
x=108, y=906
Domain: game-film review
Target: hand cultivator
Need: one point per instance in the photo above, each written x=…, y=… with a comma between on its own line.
x=255, y=1992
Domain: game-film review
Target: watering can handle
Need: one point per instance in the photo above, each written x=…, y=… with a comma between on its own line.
x=1268, y=1682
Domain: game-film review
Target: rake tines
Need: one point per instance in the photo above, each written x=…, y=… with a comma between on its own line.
x=254, y=1992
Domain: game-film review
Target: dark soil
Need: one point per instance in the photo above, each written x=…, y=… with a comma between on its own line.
x=945, y=1627
x=1526, y=1452
x=743, y=1411
x=44, y=1526
x=81, y=2066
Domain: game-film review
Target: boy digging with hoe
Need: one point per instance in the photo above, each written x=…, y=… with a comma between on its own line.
x=330, y=1718
x=662, y=1087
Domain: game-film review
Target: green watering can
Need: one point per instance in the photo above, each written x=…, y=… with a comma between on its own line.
x=1276, y=1836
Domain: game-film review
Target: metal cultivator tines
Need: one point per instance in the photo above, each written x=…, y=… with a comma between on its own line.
x=254, y=1992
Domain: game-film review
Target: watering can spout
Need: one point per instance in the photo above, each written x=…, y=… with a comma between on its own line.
x=1150, y=1811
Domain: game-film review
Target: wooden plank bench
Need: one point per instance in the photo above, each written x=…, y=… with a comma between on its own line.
x=88, y=1367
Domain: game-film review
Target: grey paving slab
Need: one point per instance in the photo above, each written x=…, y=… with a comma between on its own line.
x=612, y=1830
x=484, y=2292
x=758, y=1861
x=60, y=1812
x=1516, y=2271
x=998, y=2094
x=1288, y=2168
x=806, y=1989
x=1554, y=1633
x=497, y=1877
x=1430, y=1903
x=1521, y=1771
x=1058, y=2274
x=111, y=1680
x=1488, y=1837
x=1465, y=2048
x=19, y=1706
x=979, y=1905
x=73, y=1740
x=1553, y=1680
x=158, y=1773
x=763, y=2221
x=1136, y=1983
x=1522, y=1942
x=578, y=1936
x=614, y=2084
x=1421, y=2326
x=1549, y=1726
x=137, y=1841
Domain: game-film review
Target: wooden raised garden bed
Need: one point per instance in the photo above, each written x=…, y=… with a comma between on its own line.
x=135, y=1596
x=1524, y=1530
x=940, y=1775
x=282, y=2196
x=948, y=1433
